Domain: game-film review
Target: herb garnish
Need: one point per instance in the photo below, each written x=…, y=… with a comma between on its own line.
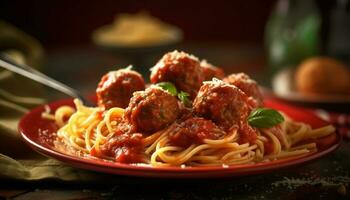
x=168, y=87
x=265, y=118
x=182, y=96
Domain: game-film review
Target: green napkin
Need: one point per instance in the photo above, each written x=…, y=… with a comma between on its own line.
x=17, y=160
x=17, y=96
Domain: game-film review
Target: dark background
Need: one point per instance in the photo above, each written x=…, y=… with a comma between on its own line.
x=64, y=22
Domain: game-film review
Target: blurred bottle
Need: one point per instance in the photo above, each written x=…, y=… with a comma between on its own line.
x=292, y=33
x=339, y=31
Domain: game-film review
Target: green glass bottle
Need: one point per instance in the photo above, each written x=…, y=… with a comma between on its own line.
x=292, y=33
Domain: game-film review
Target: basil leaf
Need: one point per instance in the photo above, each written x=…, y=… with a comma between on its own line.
x=183, y=96
x=168, y=87
x=265, y=118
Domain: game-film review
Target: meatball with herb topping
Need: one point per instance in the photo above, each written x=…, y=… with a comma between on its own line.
x=116, y=88
x=181, y=69
x=152, y=110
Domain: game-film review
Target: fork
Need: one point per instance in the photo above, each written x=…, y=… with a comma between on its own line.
x=31, y=73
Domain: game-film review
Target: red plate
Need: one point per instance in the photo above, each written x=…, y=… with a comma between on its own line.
x=38, y=134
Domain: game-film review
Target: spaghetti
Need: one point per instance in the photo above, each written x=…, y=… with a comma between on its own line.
x=87, y=130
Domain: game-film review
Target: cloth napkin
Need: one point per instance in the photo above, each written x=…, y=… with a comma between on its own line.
x=17, y=96
x=17, y=160
x=339, y=120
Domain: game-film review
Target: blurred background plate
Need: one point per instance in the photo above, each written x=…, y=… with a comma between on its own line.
x=140, y=39
x=282, y=88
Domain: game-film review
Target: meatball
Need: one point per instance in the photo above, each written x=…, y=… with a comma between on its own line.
x=247, y=85
x=152, y=110
x=224, y=104
x=180, y=68
x=210, y=71
x=116, y=88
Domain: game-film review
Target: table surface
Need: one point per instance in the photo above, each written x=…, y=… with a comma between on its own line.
x=327, y=178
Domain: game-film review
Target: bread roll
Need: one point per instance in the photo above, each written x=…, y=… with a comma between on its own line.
x=322, y=75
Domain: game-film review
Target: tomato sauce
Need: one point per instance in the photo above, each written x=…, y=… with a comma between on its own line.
x=268, y=147
x=100, y=114
x=247, y=134
x=125, y=147
x=194, y=131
